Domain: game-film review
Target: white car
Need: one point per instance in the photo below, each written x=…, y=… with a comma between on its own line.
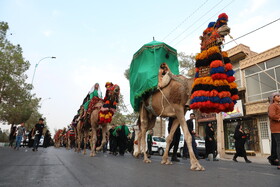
x=200, y=145
x=159, y=145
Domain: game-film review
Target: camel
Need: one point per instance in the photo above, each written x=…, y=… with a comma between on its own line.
x=170, y=101
x=70, y=139
x=112, y=96
x=58, y=138
x=84, y=131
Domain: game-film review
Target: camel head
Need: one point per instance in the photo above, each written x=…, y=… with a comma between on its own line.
x=214, y=34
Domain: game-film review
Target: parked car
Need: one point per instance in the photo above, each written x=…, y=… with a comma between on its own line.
x=200, y=146
x=24, y=140
x=159, y=145
x=41, y=141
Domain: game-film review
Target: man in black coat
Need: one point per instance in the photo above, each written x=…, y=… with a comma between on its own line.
x=190, y=127
x=176, y=140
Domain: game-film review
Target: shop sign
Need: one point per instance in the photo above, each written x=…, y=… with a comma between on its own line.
x=237, y=111
x=202, y=117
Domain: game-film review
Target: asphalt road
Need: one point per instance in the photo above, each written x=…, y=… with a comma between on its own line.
x=60, y=167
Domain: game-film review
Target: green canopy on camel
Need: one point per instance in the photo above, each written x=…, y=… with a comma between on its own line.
x=144, y=69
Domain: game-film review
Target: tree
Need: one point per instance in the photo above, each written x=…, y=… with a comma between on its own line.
x=187, y=64
x=126, y=74
x=122, y=116
x=16, y=101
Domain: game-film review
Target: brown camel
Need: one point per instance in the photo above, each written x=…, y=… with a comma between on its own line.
x=58, y=137
x=169, y=101
x=82, y=133
x=112, y=96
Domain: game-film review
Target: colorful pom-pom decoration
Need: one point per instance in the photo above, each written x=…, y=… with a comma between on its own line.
x=214, y=89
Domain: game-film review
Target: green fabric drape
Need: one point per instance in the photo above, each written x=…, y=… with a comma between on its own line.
x=144, y=68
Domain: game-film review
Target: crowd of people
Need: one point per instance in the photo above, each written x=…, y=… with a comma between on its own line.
x=30, y=139
x=121, y=140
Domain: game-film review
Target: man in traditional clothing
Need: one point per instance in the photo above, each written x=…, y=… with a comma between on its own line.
x=121, y=132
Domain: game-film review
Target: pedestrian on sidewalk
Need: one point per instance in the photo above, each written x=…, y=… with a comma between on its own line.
x=240, y=138
x=20, y=134
x=12, y=135
x=38, y=132
x=210, y=142
x=274, y=118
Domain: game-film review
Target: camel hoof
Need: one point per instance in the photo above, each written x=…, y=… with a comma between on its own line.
x=98, y=148
x=84, y=153
x=197, y=168
x=168, y=162
x=92, y=154
x=147, y=161
x=136, y=155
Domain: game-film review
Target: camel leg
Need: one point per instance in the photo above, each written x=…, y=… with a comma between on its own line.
x=93, y=141
x=144, y=127
x=165, y=159
x=85, y=141
x=79, y=140
x=104, y=140
x=76, y=139
x=143, y=142
x=68, y=142
x=138, y=151
x=188, y=138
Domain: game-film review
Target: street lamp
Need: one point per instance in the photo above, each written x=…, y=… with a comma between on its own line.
x=38, y=65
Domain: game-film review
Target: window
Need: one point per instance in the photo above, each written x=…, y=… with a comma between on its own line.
x=237, y=77
x=253, y=85
x=267, y=84
x=273, y=62
x=259, y=85
x=254, y=69
x=264, y=128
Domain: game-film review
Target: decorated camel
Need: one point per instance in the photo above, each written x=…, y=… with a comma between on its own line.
x=100, y=112
x=70, y=139
x=157, y=90
x=58, y=138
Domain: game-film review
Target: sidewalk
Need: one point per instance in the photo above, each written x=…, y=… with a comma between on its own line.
x=260, y=159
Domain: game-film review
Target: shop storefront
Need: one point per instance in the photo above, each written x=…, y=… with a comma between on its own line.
x=249, y=125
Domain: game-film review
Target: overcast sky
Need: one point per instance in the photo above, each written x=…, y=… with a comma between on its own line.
x=94, y=41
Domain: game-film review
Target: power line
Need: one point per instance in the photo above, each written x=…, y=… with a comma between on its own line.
x=185, y=20
x=197, y=20
x=253, y=31
x=205, y=22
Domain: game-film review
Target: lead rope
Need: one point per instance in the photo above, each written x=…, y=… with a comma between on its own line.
x=162, y=102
